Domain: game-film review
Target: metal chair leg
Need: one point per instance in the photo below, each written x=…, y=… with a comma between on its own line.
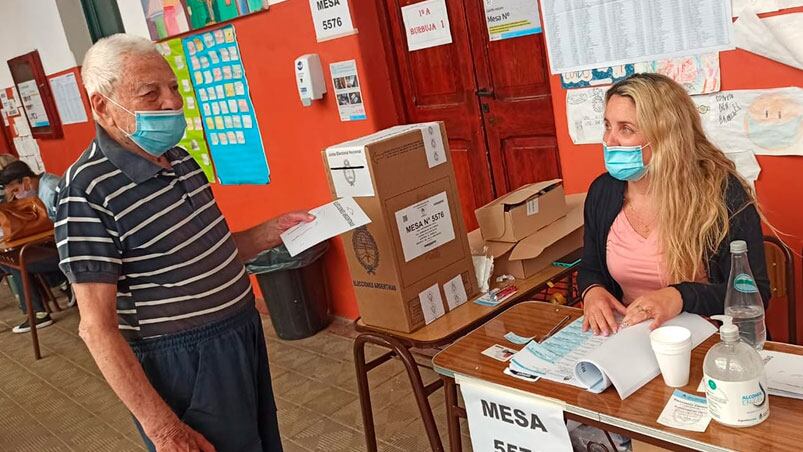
x=48, y=293
x=26, y=293
x=420, y=391
x=450, y=388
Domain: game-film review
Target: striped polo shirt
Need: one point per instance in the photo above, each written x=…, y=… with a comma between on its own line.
x=156, y=233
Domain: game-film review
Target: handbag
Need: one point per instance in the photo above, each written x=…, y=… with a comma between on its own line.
x=23, y=218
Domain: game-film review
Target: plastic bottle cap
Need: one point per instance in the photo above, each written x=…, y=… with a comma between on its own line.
x=728, y=332
x=738, y=246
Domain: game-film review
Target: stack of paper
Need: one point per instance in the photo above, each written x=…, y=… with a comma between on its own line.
x=581, y=359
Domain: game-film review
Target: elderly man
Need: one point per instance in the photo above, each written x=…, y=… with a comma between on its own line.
x=167, y=310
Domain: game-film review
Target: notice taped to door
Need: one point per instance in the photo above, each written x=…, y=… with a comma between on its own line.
x=425, y=226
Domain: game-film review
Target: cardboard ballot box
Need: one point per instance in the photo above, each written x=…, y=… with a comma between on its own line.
x=538, y=250
x=523, y=211
x=412, y=263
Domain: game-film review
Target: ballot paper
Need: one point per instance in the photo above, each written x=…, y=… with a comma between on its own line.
x=331, y=219
x=686, y=412
x=581, y=359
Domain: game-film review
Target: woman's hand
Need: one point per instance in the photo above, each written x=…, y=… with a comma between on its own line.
x=598, y=307
x=660, y=305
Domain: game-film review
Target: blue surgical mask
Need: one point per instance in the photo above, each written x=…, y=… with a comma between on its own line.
x=625, y=163
x=158, y=131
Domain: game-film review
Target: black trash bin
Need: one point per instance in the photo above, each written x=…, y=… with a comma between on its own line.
x=294, y=289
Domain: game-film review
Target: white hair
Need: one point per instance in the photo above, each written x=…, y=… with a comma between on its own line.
x=103, y=62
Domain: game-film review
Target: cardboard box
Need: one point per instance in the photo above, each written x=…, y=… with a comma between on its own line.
x=538, y=250
x=523, y=211
x=415, y=251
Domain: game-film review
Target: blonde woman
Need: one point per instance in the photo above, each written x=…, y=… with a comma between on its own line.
x=658, y=224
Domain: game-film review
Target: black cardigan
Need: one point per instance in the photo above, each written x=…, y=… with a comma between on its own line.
x=604, y=202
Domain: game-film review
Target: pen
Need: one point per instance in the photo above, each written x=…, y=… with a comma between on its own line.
x=554, y=329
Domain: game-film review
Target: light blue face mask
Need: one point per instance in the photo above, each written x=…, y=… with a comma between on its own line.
x=158, y=131
x=625, y=163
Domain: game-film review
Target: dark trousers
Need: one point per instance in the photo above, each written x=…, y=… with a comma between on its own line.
x=216, y=379
x=48, y=267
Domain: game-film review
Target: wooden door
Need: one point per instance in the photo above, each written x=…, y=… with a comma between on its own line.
x=438, y=84
x=513, y=80
x=493, y=96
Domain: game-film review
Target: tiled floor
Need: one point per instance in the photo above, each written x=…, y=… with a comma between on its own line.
x=61, y=402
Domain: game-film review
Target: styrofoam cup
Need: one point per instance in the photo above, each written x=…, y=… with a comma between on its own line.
x=672, y=348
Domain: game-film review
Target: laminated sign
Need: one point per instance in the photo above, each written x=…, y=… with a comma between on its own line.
x=332, y=18
x=425, y=226
x=507, y=420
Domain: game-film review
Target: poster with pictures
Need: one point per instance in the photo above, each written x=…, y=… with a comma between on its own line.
x=167, y=18
x=224, y=102
x=347, y=90
x=193, y=141
x=33, y=104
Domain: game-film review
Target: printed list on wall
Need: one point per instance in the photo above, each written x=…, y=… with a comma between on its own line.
x=225, y=104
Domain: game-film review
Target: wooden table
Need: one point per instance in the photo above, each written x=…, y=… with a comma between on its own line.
x=442, y=331
x=17, y=254
x=635, y=416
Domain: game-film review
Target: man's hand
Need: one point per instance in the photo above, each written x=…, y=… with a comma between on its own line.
x=598, y=307
x=268, y=234
x=275, y=227
x=660, y=305
x=177, y=436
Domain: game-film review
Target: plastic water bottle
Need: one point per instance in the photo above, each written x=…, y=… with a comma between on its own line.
x=734, y=378
x=742, y=301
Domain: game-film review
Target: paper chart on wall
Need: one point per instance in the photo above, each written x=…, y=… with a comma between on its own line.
x=28, y=151
x=611, y=32
x=33, y=103
x=585, y=109
x=765, y=122
x=699, y=74
x=779, y=38
x=68, y=99
x=223, y=95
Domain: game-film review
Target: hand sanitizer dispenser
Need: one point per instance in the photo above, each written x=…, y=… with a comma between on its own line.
x=309, y=78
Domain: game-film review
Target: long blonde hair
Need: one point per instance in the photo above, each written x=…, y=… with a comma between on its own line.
x=689, y=176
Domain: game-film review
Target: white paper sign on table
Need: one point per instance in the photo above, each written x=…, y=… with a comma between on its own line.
x=332, y=18
x=331, y=219
x=348, y=169
x=455, y=292
x=502, y=419
x=425, y=226
x=426, y=24
x=686, y=412
x=431, y=303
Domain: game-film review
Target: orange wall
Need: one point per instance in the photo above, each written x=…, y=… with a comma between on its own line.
x=294, y=136
x=779, y=186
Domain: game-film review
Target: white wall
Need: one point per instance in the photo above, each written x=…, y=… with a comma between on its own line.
x=133, y=17
x=28, y=25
